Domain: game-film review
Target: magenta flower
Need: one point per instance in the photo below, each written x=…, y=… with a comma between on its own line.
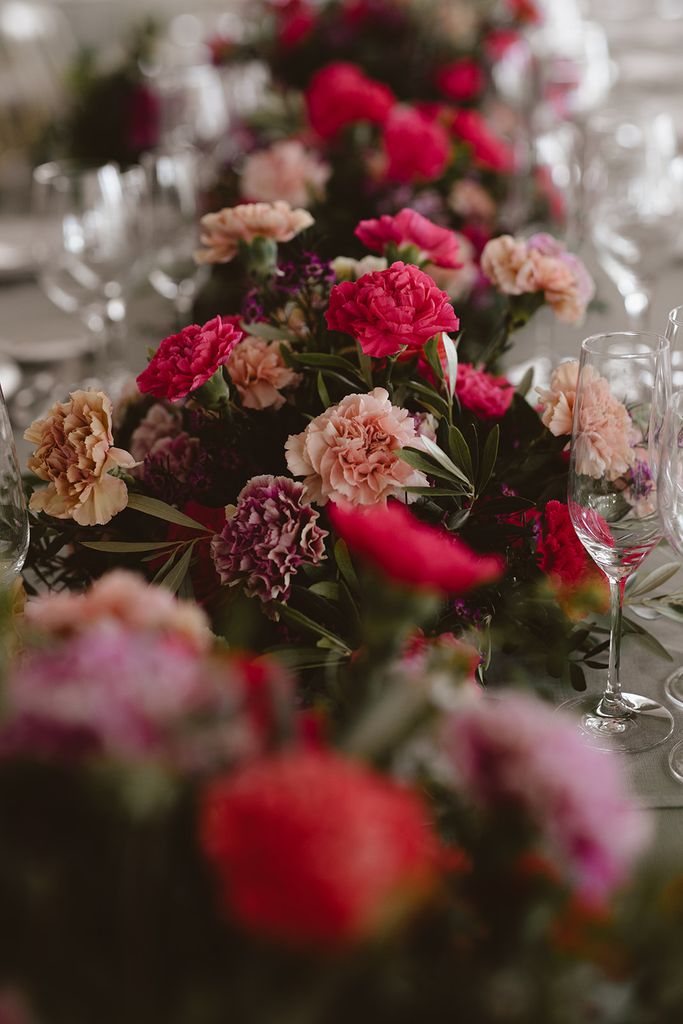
x=185, y=361
x=269, y=536
x=436, y=244
x=388, y=309
x=516, y=752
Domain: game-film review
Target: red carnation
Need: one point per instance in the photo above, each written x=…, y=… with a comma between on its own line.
x=483, y=394
x=436, y=244
x=185, y=361
x=417, y=147
x=341, y=94
x=296, y=21
x=388, y=309
x=489, y=151
x=462, y=80
x=311, y=848
x=411, y=552
x=580, y=585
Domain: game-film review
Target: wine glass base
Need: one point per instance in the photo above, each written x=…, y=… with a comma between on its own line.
x=676, y=761
x=645, y=726
x=674, y=687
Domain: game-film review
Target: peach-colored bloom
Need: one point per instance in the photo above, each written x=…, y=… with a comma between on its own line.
x=602, y=446
x=75, y=454
x=348, y=453
x=260, y=374
x=223, y=231
x=471, y=200
x=502, y=260
x=558, y=399
x=286, y=170
x=123, y=598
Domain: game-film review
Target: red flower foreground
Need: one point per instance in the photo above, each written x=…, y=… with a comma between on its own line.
x=408, y=227
x=388, y=309
x=411, y=552
x=311, y=848
x=185, y=361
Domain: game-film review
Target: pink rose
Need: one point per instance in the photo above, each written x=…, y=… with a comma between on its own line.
x=388, y=309
x=411, y=552
x=558, y=400
x=223, y=231
x=348, y=453
x=286, y=170
x=417, y=147
x=462, y=80
x=408, y=227
x=341, y=94
x=483, y=394
x=260, y=374
x=489, y=151
x=185, y=361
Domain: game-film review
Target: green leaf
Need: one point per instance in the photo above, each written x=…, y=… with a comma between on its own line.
x=323, y=392
x=657, y=578
x=437, y=492
x=460, y=451
x=123, y=546
x=419, y=461
x=451, y=375
x=429, y=395
x=365, y=363
x=432, y=448
x=296, y=618
x=306, y=657
x=175, y=576
x=488, y=458
x=160, y=510
x=326, y=588
x=266, y=331
x=577, y=677
x=345, y=566
x=431, y=352
x=324, y=359
x=523, y=389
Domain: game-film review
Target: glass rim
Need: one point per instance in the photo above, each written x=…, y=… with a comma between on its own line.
x=67, y=170
x=676, y=315
x=591, y=345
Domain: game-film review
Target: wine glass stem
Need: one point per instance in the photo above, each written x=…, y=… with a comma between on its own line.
x=611, y=702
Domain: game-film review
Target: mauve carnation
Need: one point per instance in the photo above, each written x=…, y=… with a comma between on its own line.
x=311, y=848
x=461, y=80
x=490, y=152
x=75, y=453
x=482, y=393
x=408, y=227
x=417, y=147
x=286, y=170
x=514, y=751
x=411, y=552
x=260, y=374
x=223, y=231
x=348, y=453
x=168, y=468
x=341, y=94
x=185, y=361
x=388, y=309
x=557, y=401
x=602, y=445
x=270, y=534
x=157, y=424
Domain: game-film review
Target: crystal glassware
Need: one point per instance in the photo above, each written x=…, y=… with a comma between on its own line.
x=624, y=384
x=14, y=532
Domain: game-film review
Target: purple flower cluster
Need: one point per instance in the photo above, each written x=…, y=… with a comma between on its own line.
x=271, y=533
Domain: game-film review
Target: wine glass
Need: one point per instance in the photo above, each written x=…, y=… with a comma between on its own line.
x=14, y=532
x=88, y=256
x=636, y=205
x=173, y=186
x=624, y=384
x=670, y=500
x=674, y=332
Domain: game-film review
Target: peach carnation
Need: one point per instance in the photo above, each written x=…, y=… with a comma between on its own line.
x=602, y=446
x=286, y=170
x=75, y=453
x=470, y=200
x=348, y=453
x=260, y=374
x=558, y=399
x=223, y=231
x=124, y=599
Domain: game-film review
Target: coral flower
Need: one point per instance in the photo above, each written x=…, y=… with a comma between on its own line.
x=408, y=227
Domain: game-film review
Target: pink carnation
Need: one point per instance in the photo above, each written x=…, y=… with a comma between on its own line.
x=462, y=80
x=341, y=94
x=185, y=361
x=260, y=374
x=408, y=227
x=348, y=453
x=411, y=552
x=557, y=401
x=515, y=752
x=489, y=151
x=222, y=232
x=286, y=170
x=158, y=424
x=417, y=147
x=483, y=394
x=389, y=309
x=602, y=445
x=271, y=533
